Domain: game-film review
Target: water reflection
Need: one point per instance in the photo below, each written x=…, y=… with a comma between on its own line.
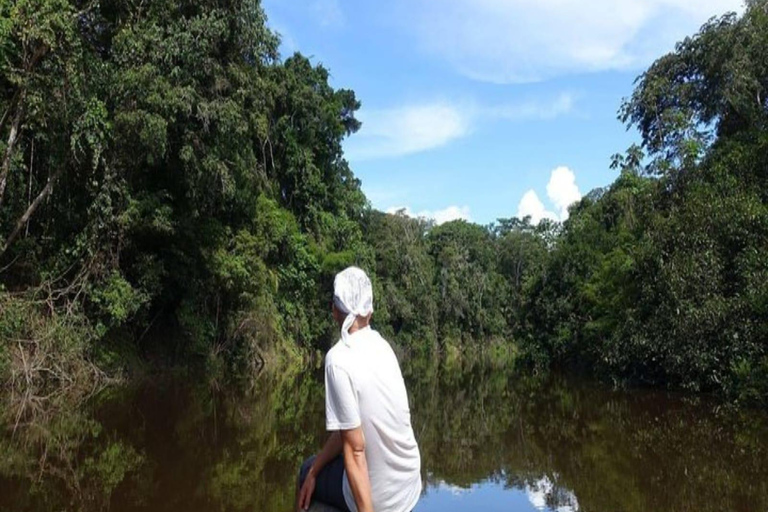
x=601, y=450
x=490, y=440
x=546, y=495
x=493, y=495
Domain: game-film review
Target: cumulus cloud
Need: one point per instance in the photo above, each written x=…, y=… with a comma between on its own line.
x=439, y=216
x=531, y=206
x=409, y=129
x=562, y=192
x=508, y=41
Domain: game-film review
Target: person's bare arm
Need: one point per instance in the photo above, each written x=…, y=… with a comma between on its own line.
x=330, y=451
x=353, y=443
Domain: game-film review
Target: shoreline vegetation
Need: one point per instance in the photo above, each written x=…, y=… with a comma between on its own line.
x=174, y=193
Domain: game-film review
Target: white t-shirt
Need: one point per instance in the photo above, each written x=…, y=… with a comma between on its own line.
x=364, y=386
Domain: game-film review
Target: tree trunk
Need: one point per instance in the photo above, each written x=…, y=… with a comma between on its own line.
x=12, y=139
x=10, y=110
x=18, y=117
x=30, y=211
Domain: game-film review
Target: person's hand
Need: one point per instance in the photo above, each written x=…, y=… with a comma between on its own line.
x=306, y=492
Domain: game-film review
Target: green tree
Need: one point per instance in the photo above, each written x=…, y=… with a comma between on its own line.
x=404, y=279
x=470, y=291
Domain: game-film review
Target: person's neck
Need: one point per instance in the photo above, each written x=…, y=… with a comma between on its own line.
x=357, y=326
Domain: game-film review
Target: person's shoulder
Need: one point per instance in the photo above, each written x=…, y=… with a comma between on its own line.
x=338, y=355
x=383, y=348
x=376, y=335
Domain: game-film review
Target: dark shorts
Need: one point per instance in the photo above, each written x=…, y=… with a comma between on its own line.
x=328, y=484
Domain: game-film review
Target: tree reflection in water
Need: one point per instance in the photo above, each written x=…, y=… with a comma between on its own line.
x=559, y=445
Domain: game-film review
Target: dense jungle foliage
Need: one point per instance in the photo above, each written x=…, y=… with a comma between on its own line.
x=173, y=191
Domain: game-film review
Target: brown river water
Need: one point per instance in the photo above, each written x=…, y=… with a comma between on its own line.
x=491, y=440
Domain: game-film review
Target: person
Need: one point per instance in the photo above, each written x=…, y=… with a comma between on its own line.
x=370, y=461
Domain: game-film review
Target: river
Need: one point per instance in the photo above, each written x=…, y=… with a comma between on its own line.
x=491, y=440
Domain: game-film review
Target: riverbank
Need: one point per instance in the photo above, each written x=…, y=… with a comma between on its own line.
x=47, y=352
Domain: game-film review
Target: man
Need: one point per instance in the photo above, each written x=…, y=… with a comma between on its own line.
x=371, y=461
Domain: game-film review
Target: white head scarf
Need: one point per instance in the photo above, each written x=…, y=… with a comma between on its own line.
x=353, y=296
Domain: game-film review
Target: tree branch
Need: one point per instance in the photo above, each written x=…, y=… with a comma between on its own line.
x=30, y=211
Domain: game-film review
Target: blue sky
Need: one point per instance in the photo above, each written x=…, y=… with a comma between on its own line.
x=484, y=109
x=494, y=495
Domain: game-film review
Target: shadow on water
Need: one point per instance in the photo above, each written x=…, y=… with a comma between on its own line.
x=490, y=439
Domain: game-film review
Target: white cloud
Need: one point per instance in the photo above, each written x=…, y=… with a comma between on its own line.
x=439, y=216
x=534, y=109
x=405, y=130
x=562, y=192
x=543, y=492
x=454, y=490
x=448, y=214
x=416, y=128
x=508, y=41
x=531, y=206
